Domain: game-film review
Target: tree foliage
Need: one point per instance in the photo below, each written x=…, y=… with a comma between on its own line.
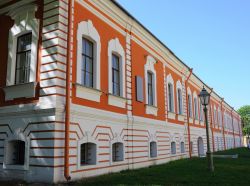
x=245, y=119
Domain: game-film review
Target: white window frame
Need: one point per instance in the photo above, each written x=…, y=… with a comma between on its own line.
x=87, y=30
x=115, y=48
x=24, y=22
x=149, y=67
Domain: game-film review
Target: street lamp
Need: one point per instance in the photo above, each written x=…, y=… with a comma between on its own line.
x=205, y=98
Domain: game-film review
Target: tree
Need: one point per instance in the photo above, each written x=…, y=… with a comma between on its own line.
x=245, y=119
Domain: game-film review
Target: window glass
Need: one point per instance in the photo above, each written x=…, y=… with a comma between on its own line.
x=116, y=75
x=150, y=89
x=23, y=57
x=87, y=63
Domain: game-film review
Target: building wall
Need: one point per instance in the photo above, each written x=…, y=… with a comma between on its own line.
x=95, y=115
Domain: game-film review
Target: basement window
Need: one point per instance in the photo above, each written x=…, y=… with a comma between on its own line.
x=153, y=149
x=88, y=154
x=173, y=148
x=117, y=152
x=16, y=152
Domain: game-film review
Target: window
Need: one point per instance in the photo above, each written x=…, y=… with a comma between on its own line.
x=116, y=75
x=170, y=98
x=215, y=116
x=88, y=154
x=23, y=56
x=182, y=147
x=179, y=97
x=16, y=152
x=87, y=63
x=196, y=108
x=117, y=152
x=153, y=149
x=190, y=106
x=201, y=112
x=150, y=88
x=173, y=148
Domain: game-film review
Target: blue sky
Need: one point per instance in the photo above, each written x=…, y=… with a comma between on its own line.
x=205, y=34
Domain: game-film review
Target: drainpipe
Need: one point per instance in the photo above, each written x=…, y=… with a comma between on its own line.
x=189, y=140
x=223, y=126
x=67, y=106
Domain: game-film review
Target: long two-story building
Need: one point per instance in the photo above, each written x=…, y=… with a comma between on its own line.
x=85, y=89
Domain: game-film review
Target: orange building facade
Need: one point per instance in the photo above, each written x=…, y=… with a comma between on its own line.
x=87, y=90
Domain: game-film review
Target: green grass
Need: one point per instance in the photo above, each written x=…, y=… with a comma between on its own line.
x=184, y=172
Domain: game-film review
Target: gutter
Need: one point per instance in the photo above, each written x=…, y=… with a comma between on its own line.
x=67, y=106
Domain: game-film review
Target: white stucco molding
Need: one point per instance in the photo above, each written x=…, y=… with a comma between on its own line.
x=87, y=30
x=149, y=66
x=24, y=22
x=115, y=47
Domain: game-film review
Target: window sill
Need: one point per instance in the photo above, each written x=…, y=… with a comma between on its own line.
x=88, y=93
x=25, y=90
x=171, y=115
x=152, y=110
x=117, y=101
x=181, y=117
x=15, y=167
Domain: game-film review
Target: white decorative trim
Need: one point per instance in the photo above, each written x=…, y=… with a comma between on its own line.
x=151, y=110
x=171, y=115
x=17, y=135
x=149, y=66
x=88, y=93
x=25, y=22
x=26, y=90
x=87, y=30
x=115, y=47
x=117, y=101
x=191, y=120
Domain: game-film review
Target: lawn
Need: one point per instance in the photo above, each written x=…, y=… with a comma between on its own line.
x=184, y=172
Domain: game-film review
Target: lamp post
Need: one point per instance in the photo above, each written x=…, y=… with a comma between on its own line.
x=205, y=98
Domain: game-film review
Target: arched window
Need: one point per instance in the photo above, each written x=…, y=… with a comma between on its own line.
x=117, y=152
x=196, y=108
x=215, y=116
x=173, y=148
x=88, y=154
x=182, y=147
x=190, y=113
x=179, y=98
x=153, y=149
x=15, y=153
x=170, y=98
